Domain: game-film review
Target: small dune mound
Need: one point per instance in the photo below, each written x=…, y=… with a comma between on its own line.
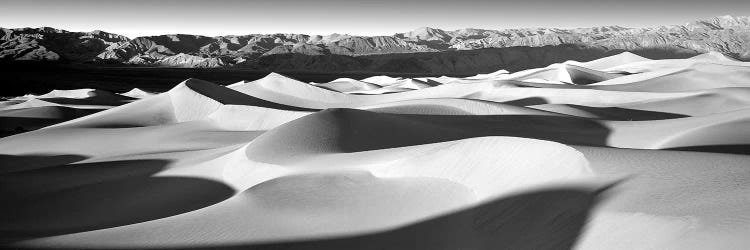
x=137, y=93
x=74, y=93
x=714, y=56
x=348, y=85
x=85, y=97
x=493, y=75
x=30, y=103
x=413, y=84
x=615, y=60
x=382, y=80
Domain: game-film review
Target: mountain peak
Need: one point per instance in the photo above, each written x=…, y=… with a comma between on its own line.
x=52, y=30
x=427, y=34
x=721, y=22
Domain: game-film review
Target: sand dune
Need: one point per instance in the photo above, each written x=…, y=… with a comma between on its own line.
x=39, y=117
x=367, y=191
x=31, y=102
x=413, y=84
x=568, y=72
x=697, y=76
x=85, y=97
x=381, y=80
x=280, y=89
x=33, y=112
x=729, y=128
x=714, y=56
x=613, y=61
x=584, y=76
x=348, y=85
x=453, y=106
x=622, y=152
x=137, y=93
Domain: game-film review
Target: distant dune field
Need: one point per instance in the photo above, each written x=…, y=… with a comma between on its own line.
x=622, y=152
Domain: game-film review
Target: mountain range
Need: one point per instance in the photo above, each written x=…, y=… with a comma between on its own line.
x=427, y=50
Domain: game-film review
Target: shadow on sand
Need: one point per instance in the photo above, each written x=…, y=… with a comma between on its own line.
x=543, y=219
x=552, y=218
x=363, y=130
x=46, y=196
x=62, y=197
x=741, y=149
x=625, y=114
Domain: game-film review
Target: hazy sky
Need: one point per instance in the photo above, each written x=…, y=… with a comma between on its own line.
x=359, y=17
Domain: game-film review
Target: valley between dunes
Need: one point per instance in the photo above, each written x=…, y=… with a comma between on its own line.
x=622, y=152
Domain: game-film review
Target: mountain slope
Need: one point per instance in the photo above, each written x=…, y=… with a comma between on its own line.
x=725, y=34
x=42, y=44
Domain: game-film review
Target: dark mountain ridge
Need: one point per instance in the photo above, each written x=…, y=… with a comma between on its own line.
x=425, y=49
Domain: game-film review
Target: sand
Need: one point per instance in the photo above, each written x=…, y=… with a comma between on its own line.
x=622, y=152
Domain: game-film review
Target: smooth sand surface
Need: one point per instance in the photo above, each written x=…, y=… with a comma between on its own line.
x=622, y=152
